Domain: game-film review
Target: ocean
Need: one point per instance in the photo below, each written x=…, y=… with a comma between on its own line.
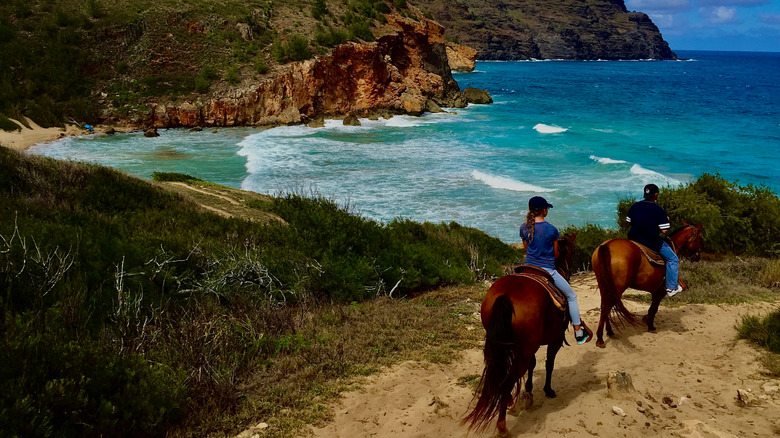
x=582, y=134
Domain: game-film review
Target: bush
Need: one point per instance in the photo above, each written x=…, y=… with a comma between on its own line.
x=764, y=332
x=589, y=238
x=737, y=219
x=400, y=4
x=231, y=75
x=318, y=9
x=173, y=176
x=7, y=125
x=330, y=37
x=296, y=48
x=74, y=388
x=261, y=67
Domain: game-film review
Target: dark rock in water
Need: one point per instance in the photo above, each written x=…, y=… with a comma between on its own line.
x=432, y=107
x=460, y=102
x=351, y=120
x=317, y=122
x=151, y=133
x=475, y=95
x=196, y=129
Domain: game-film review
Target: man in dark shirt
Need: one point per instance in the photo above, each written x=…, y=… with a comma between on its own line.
x=648, y=218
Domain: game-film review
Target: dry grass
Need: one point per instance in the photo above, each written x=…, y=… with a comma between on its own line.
x=225, y=201
x=325, y=349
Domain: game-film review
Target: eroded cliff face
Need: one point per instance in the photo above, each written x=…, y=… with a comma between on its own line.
x=401, y=73
x=461, y=58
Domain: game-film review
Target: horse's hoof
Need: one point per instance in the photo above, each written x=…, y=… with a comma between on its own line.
x=600, y=343
x=528, y=400
x=550, y=393
x=652, y=330
x=501, y=429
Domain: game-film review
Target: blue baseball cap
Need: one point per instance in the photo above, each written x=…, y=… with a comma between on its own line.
x=538, y=203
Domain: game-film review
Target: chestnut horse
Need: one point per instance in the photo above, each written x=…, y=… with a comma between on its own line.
x=619, y=264
x=519, y=317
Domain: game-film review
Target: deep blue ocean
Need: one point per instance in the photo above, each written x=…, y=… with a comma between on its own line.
x=582, y=134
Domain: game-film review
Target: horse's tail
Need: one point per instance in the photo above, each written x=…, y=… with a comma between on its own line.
x=501, y=362
x=609, y=292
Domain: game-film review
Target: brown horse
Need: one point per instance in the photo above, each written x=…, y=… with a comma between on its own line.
x=519, y=317
x=619, y=264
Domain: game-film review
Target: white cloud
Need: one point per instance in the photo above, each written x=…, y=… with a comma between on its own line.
x=719, y=14
x=663, y=21
x=732, y=2
x=658, y=5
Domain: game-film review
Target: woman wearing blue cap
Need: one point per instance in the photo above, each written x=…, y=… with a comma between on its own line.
x=540, y=239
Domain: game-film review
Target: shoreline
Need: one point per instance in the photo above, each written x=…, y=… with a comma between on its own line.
x=28, y=137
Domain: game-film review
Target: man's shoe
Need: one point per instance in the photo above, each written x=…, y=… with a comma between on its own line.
x=673, y=292
x=583, y=338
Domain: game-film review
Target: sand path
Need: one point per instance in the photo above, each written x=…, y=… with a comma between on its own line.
x=694, y=361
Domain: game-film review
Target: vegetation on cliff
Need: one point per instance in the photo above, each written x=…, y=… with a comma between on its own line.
x=72, y=59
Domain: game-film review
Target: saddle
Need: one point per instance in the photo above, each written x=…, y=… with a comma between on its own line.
x=653, y=257
x=545, y=279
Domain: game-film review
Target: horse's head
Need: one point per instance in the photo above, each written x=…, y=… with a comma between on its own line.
x=688, y=241
x=566, y=245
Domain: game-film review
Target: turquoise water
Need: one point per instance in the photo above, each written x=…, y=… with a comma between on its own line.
x=582, y=134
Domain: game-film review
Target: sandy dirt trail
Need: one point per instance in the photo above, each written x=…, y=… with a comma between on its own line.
x=693, y=362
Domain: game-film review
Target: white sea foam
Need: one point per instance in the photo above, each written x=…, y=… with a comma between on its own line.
x=604, y=130
x=502, y=182
x=548, y=129
x=639, y=170
x=605, y=160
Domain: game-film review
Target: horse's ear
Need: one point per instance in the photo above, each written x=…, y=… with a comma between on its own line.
x=698, y=227
x=574, y=236
x=685, y=223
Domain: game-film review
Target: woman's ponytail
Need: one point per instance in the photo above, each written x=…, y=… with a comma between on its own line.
x=530, y=221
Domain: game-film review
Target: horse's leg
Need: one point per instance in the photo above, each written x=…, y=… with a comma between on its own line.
x=610, y=332
x=605, y=309
x=649, y=319
x=501, y=423
x=529, y=384
x=552, y=351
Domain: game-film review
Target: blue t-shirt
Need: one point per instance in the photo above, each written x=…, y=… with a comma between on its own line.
x=540, y=249
x=647, y=219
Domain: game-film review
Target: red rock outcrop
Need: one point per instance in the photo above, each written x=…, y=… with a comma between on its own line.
x=461, y=58
x=398, y=73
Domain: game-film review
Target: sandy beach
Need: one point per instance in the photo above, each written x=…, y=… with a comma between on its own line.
x=686, y=379
x=21, y=140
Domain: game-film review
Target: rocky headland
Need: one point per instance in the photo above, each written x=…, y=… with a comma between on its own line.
x=538, y=29
x=406, y=72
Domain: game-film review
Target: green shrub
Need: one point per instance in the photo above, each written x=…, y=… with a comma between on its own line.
x=297, y=48
x=261, y=67
x=764, y=332
x=330, y=37
x=319, y=9
x=7, y=125
x=360, y=31
x=231, y=75
x=589, y=238
x=173, y=176
x=74, y=388
x=400, y=4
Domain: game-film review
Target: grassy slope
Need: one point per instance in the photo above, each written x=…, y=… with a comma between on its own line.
x=130, y=310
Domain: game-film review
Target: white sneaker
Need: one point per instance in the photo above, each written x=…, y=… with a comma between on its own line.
x=672, y=292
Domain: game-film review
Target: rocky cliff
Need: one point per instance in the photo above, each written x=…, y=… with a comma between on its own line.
x=543, y=29
x=403, y=72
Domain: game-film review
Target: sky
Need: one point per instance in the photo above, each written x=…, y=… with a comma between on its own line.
x=739, y=25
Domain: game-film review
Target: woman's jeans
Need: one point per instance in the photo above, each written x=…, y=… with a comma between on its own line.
x=571, y=296
x=672, y=263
